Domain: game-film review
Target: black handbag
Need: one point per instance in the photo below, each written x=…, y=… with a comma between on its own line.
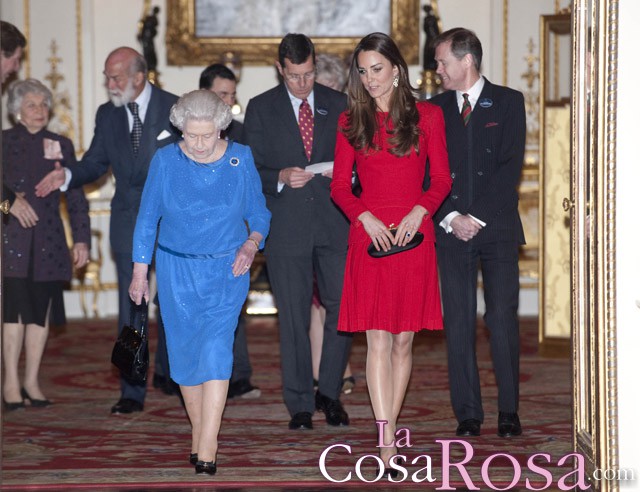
x=131, y=350
x=415, y=241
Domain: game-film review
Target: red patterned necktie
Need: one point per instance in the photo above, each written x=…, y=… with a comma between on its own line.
x=305, y=120
x=466, y=109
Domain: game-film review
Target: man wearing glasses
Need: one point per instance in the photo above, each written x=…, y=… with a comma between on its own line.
x=290, y=128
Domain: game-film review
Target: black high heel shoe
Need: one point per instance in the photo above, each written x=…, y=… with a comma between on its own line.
x=33, y=401
x=206, y=468
x=193, y=458
x=10, y=406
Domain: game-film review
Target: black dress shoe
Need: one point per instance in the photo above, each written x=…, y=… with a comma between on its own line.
x=206, y=468
x=126, y=405
x=10, y=406
x=33, y=401
x=333, y=411
x=509, y=424
x=469, y=427
x=301, y=420
x=193, y=458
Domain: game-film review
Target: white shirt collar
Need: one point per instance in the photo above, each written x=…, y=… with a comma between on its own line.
x=296, y=102
x=143, y=102
x=474, y=93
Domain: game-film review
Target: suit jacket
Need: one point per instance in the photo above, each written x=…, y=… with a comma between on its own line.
x=234, y=131
x=299, y=216
x=486, y=159
x=42, y=248
x=111, y=146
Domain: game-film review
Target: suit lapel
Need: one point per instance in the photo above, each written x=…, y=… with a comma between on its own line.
x=321, y=110
x=149, y=130
x=285, y=114
x=484, y=111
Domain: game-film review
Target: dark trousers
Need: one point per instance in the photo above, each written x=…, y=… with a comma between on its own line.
x=131, y=389
x=241, y=363
x=291, y=280
x=501, y=285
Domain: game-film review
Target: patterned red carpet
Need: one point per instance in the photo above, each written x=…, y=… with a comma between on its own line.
x=77, y=444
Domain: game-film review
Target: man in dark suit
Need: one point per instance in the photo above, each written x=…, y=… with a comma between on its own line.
x=480, y=225
x=308, y=233
x=119, y=142
x=220, y=80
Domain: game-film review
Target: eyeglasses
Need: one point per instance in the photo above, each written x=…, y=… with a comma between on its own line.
x=294, y=77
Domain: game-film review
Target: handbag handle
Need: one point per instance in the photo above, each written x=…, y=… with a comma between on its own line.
x=138, y=316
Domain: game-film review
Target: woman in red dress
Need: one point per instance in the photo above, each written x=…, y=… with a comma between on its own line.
x=389, y=136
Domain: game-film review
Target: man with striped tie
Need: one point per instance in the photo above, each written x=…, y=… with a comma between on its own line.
x=480, y=225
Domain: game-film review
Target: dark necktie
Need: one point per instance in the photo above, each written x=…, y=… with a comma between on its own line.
x=305, y=120
x=136, y=131
x=466, y=109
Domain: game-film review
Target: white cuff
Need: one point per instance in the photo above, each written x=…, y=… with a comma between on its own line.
x=446, y=222
x=483, y=224
x=67, y=179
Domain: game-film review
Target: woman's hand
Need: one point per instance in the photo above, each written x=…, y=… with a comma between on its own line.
x=139, y=286
x=409, y=225
x=380, y=235
x=80, y=254
x=245, y=255
x=22, y=210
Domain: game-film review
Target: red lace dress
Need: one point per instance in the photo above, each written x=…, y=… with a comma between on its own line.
x=399, y=292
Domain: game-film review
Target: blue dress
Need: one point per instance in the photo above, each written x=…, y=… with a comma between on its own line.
x=203, y=211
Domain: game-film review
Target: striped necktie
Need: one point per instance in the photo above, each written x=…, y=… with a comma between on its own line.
x=466, y=109
x=136, y=131
x=305, y=120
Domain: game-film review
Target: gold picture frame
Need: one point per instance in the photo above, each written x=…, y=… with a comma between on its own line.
x=185, y=48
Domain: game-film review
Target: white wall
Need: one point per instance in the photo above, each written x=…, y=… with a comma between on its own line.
x=627, y=300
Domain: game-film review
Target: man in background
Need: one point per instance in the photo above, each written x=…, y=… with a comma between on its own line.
x=12, y=45
x=128, y=130
x=288, y=128
x=220, y=80
x=479, y=224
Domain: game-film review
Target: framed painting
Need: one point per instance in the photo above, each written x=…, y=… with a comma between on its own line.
x=200, y=32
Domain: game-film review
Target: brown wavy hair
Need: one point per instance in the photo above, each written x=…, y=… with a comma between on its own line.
x=403, y=114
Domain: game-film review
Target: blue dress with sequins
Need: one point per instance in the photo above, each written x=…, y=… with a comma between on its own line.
x=203, y=212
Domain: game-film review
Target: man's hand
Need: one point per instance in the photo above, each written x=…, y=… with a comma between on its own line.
x=51, y=182
x=22, y=210
x=464, y=227
x=295, y=177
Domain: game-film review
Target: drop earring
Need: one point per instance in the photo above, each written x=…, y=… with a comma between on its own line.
x=395, y=81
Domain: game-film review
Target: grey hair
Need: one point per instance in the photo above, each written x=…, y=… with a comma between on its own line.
x=20, y=88
x=200, y=105
x=331, y=68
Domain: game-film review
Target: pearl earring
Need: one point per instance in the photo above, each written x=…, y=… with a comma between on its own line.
x=395, y=81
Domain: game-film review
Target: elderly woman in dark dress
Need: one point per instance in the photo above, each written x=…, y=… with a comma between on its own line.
x=35, y=256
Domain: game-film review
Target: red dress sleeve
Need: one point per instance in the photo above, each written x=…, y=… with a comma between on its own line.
x=432, y=123
x=341, y=184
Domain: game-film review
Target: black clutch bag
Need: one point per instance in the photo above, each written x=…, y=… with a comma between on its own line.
x=131, y=351
x=415, y=241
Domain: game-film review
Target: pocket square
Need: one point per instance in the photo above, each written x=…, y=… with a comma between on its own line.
x=490, y=124
x=163, y=134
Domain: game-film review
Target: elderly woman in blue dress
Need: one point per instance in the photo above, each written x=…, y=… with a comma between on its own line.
x=206, y=195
